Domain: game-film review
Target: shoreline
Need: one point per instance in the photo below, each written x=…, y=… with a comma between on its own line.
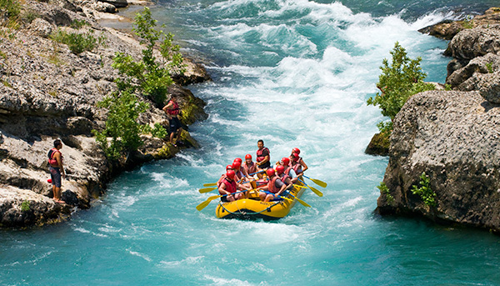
x=38, y=107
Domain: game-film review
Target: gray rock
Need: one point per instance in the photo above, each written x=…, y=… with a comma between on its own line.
x=472, y=43
x=454, y=137
x=116, y=3
x=41, y=28
x=466, y=78
x=104, y=7
x=489, y=87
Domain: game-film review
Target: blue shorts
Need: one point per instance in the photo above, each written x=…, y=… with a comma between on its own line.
x=55, y=175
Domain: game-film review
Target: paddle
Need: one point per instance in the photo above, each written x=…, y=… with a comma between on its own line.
x=300, y=201
x=210, y=185
x=256, y=172
x=206, y=190
x=317, y=182
x=299, y=186
x=207, y=202
x=320, y=194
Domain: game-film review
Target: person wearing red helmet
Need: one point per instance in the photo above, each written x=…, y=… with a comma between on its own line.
x=249, y=165
x=273, y=189
x=228, y=188
x=240, y=172
x=297, y=162
x=228, y=167
x=284, y=177
x=289, y=172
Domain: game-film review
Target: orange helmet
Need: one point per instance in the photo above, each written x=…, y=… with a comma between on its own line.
x=230, y=174
x=270, y=172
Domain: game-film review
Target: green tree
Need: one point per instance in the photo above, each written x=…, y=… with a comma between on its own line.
x=399, y=80
x=149, y=76
x=121, y=124
x=153, y=75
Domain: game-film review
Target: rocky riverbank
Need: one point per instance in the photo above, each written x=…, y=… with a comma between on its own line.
x=50, y=92
x=452, y=136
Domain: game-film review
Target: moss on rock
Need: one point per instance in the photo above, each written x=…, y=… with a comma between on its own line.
x=379, y=145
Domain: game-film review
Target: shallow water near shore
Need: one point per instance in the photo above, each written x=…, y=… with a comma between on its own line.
x=294, y=73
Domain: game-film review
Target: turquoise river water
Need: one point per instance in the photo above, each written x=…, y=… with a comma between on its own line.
x=294, y=73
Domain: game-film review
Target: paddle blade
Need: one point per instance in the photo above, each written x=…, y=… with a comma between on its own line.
x=300, y=186
x=320, y=194
x=210, y=185
x=319, y=182
x=206, y=190
x=302, y=202
x=203, y=205
x=206, y=203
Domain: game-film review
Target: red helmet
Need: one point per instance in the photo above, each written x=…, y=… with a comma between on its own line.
x=230, y=174
x=296, y=157
x=238, y=160
x=296, y=150
x=236, y=165
x=285, y=161
x=280, y=169
x=270, y=172
x=248, y=156
x=229, y=167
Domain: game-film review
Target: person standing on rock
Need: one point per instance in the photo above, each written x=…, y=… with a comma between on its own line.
x=172, y=110
x=56, y=170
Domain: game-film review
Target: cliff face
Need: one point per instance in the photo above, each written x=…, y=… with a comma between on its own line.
x=49, y=92
x=454, y=137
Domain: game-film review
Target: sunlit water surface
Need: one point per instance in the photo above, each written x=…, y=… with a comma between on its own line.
x=294, y=73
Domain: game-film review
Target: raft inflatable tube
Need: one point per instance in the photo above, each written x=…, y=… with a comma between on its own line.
x=254, y=208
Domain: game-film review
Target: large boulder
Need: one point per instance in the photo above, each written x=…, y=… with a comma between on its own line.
x=454, y=138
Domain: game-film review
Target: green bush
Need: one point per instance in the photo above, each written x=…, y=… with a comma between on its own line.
x=25, y=206
x=152, y=74
x=425, y=191
x=385, y=190
x=76, y=42
x=12, y=9
x=398, y=81
x=77, y=24
x=157, y=131
x=468, y=22
x=121, y=124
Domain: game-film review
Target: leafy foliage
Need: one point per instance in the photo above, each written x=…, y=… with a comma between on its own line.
x=77, y=42
x=11, y=8
x=468, y=22
x=25, y=206
x=157, y=131
x=399, y=80
x=489, y=66
x=152, y=74
x=425, y=191
x=121, y=125
x=385, y=190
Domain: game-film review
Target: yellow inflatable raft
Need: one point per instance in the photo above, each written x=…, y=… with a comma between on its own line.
x=254, y=208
